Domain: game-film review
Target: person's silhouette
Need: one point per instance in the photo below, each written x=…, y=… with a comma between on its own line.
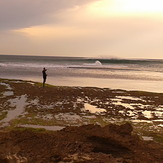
x=44, y=75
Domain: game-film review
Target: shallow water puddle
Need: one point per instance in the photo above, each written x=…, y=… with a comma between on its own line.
x=32, y=83
x=79, y=100
x=147, y=138
x=7, y=85
x=130, y=98
x=8, y=93
x=52, y=128
x=93, y=109
x=133, y=106
x=40, y=106
x=68, y=117
x=89, y=117
x=48, y=117
x=34, y=102
x=129, y=113
x=151, y=114
x=126, y=105
x=158, y=120
x=140, y=121
x=20, y=103
x=159, y=114
x=147, y=114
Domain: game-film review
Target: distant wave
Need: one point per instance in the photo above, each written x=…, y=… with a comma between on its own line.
x=30, y=65
x=37, y=62
x=97, y=63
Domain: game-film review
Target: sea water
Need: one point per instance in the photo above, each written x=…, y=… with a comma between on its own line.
x=145, y=75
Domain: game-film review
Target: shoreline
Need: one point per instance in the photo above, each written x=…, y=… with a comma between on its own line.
x=114, y=84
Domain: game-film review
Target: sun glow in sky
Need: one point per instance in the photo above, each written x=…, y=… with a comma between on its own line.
x=122, y=7
x=94, y=28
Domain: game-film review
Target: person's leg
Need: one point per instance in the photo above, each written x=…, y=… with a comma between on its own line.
x=44, y=80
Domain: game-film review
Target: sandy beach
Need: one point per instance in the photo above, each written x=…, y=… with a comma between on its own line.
x=29, y=111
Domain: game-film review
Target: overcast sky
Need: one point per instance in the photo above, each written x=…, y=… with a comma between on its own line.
x=92, y=28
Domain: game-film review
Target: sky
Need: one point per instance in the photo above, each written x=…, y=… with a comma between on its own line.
x=82, y=28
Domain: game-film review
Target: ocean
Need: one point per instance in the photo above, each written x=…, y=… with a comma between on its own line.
x=128, y=74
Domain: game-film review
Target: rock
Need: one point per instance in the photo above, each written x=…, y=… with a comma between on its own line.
x=89, y=143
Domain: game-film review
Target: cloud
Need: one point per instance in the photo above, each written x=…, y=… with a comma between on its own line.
x=127, y=37
x=25, y=13
x=77, y=28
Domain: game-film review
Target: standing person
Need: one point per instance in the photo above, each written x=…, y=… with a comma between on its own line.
x=44, y=75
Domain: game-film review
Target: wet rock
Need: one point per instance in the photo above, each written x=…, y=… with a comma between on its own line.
x=125, y=129
x=89, y=143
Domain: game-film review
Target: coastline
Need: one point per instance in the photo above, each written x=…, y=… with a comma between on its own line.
x=27, y=104
x=110, y=82
x=116, y=104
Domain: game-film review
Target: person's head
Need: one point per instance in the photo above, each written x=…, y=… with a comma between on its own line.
x=44, y=69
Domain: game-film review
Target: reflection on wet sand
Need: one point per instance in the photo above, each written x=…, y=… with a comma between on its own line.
x=93, y=109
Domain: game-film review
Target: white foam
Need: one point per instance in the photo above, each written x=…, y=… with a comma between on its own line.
x=97, y=63
x=31, y=65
